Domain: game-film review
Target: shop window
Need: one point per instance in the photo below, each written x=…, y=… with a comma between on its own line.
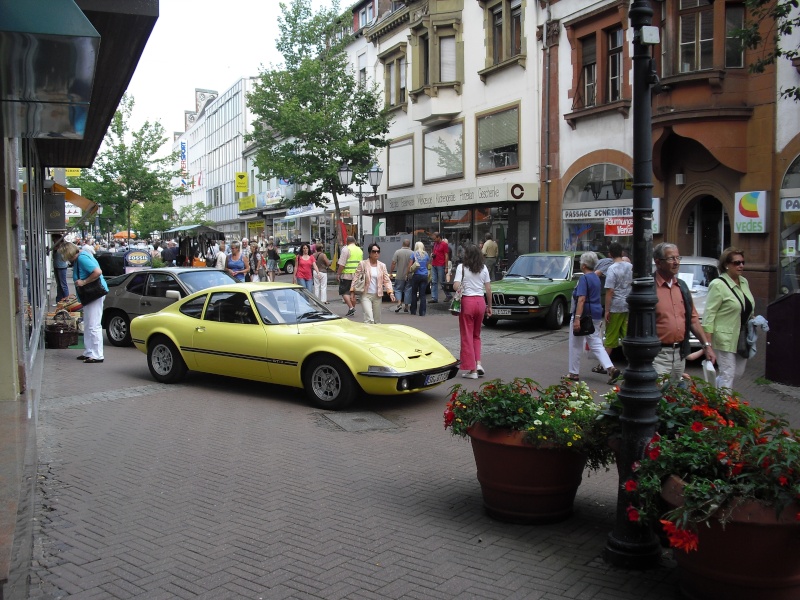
x=734, y=50
x=443, y=153
x=498, y=140
x=504, y=37
x=696, y=18
x=437, y=56
x=789, y=251
x=401, y=162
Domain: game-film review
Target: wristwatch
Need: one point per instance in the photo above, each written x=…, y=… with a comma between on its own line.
x=707, y=344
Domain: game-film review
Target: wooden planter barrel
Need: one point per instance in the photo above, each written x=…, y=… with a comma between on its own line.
x=756, y=555
x=521, y=483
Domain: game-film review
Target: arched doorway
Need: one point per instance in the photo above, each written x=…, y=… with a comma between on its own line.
x=708, y=226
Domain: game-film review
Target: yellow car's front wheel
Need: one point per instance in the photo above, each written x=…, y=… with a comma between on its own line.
x=329, y=383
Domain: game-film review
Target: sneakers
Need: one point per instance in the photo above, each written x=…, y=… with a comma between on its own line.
x=480, y=370
x=469, y=375
x=614, y=375
x=351, y=312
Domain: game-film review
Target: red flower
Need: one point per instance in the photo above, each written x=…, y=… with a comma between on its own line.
x=633, y=514
x=737, y=468
x=449, y=417
x=783, y=480
x=631, y=485
x=679, y=538
x=653, y=452
x=721, y=456
x=697, y=426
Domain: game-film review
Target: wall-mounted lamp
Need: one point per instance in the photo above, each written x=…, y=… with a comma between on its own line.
x=679, y=180
x=617, y=185
x=596, y=186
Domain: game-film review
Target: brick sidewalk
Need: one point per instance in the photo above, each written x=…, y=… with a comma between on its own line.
x=222, y=488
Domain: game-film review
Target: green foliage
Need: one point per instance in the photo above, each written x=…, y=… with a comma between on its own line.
x=128, y=178
x=563, y=415
x=724, y=450
x=769, y=21
x=311, y=114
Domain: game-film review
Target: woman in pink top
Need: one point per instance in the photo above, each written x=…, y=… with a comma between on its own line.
x=376, y=279
x=305, y=268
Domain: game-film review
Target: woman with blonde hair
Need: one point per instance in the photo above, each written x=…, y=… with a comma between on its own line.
x=237, y=265
x=85, y=270
x=419, y=280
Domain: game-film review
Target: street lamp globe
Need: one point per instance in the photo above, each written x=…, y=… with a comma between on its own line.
x=375, y=175
x=345, y=175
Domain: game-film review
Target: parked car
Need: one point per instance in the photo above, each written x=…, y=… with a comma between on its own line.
x=287, y=259
x=150, y=290
x=537, y=286
x=280, y=333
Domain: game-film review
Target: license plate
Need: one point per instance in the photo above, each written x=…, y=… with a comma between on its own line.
x=436, y=378
x=501, y=311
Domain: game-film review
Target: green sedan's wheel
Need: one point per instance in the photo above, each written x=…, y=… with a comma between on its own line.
x=289, y=267
x=329, y=383
x=118, y=329
x=165, y=362
x=558, y=312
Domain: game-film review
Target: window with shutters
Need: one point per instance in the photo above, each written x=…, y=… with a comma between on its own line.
x=437, y=56
x=498, y=140
x=504, y=38
x=589, y=69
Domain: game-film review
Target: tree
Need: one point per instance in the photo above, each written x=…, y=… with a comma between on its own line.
x=311, y=113
x=769, y=22
x=194, y=214
x=128, y=177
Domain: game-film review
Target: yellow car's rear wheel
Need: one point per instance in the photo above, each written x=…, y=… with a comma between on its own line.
x=164, y=361
x=329, y=383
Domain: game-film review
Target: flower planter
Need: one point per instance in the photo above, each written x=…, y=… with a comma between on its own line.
x=523, y=484
x=756, y=555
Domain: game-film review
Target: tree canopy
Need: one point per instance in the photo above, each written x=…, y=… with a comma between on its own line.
x=128, y=178
x=311, y=114
x=770, y=22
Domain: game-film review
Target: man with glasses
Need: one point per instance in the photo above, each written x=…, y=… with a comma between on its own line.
x=675, y=315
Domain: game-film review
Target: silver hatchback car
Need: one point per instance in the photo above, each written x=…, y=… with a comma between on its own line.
x=148, y=291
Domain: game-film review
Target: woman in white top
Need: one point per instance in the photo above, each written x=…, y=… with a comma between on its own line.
x=376, y=279
x=473, y=282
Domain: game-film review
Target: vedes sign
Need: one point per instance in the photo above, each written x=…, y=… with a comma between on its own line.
x=750, y=212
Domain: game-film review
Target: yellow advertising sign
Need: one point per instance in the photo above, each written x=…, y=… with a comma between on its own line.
x=247, y=203
x=241, y=182
x=72, y=172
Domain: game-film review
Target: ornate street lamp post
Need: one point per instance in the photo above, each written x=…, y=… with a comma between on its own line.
x=631, y=545
x=375, y=174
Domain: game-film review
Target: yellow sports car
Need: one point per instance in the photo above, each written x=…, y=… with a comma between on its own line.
x=280, y=333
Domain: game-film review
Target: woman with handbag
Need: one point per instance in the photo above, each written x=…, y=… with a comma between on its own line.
x=321, y=274
x=420, y=267
x=729, y=307
x=90, y=285
x=375, y=279
x=586, y=321
x=473, y=284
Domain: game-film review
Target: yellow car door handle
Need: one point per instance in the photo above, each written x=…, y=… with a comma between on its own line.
x=200, y=329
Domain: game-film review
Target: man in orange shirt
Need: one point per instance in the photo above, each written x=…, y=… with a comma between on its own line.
x=675, y=315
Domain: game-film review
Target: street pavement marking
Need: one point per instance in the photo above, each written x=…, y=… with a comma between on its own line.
x=494, y=341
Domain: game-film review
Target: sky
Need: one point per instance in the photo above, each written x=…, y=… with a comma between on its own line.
x=207, y=44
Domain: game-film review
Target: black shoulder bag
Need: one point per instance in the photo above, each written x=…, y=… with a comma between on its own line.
x=587, y=323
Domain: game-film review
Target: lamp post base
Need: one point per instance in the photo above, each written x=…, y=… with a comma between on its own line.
x=639, y=555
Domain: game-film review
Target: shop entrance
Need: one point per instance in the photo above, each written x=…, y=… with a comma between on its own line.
x=710, y=227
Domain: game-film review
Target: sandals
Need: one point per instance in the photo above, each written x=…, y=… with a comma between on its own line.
x=599, y=369
x=572, y=377
x=614, y=375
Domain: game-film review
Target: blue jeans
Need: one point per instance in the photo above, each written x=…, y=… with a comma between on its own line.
x=61, y=284
x=437, y=280
x=402, y=290
x=307, y=283
x=419, y=284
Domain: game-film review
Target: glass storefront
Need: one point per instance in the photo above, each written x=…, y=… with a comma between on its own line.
x=789, y=251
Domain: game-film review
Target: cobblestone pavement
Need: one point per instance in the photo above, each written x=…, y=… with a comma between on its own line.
x=222, y=488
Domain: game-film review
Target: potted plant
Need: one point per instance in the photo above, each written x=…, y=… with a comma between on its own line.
x=721, y=479
x=530, y=444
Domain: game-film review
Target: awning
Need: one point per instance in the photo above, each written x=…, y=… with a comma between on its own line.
x=194, y=231
x=88, y=206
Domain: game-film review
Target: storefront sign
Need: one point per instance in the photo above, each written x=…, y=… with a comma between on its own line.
x=247, y=203
x=485, y=194
x=598, y=213
x=790, y=204
x=619, y=226
x=750, y=212
x=240, y=182
x=72, y=172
